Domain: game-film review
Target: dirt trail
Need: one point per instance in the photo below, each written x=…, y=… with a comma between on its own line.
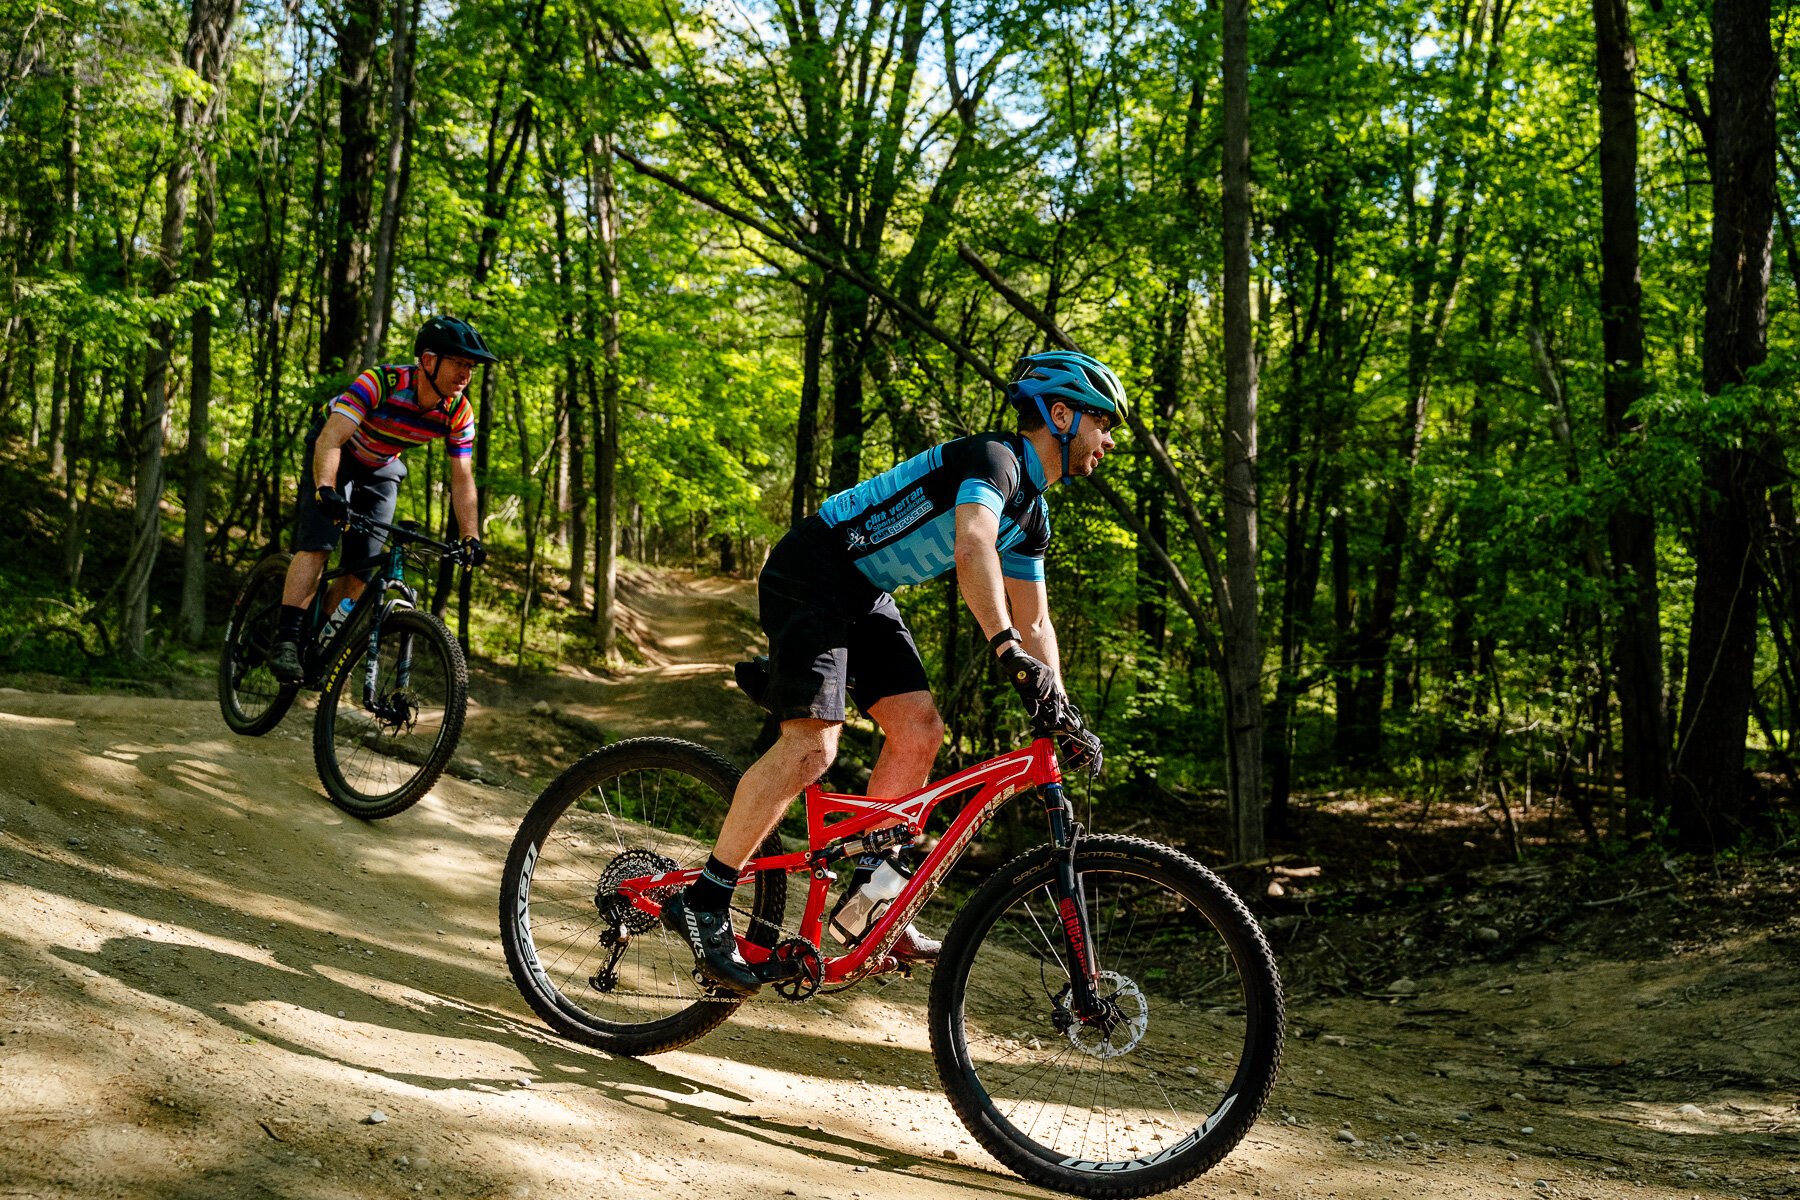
x=210, y=980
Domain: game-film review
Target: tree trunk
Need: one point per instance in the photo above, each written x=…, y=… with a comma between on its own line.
x=806, y=426
x=1631, y=529
x=71, y=198
x=399, y=135
x=604, y=197
x=59, y=400
x=191, y=622
x=1708, y=789
x=30, y=341
x=849, y=307
x=1243, y=645
x=559, y=529
x=530, y=517
x=578, y=507
x=345, y=324
x=72, y=534
x=208, y=42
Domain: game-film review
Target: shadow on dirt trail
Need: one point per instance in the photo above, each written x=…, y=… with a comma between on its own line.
x=211, y=982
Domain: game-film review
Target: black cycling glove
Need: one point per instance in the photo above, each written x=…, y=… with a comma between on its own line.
x=332, y=504
x=1080, y=746
x=1051, y=711
x=1037, y=687
x=473, y=552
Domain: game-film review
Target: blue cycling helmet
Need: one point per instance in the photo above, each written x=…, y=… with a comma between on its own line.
x=1084, y=383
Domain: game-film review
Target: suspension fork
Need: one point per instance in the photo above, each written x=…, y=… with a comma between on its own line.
x=390, y=580
x=1071, y=905
x=371, y=661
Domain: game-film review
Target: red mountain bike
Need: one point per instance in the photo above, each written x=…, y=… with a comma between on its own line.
x=1106, y=1016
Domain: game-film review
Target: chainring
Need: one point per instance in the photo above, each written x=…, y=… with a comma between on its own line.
x=616, y=908
x=809, y=971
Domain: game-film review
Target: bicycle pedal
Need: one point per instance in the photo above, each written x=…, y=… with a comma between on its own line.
x=713, y=990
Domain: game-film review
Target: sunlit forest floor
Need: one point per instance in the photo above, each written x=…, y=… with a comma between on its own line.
x=209, y=979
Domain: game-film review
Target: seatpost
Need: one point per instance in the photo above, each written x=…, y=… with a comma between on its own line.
x=1071, y=906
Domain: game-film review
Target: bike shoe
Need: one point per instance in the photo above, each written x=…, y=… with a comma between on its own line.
x=284, y=662
x=914, y=948
x=709, y=935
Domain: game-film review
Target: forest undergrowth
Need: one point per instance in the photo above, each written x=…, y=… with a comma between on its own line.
x=1367, y=884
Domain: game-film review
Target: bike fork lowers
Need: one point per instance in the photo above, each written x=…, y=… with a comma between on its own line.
x=1071, y=906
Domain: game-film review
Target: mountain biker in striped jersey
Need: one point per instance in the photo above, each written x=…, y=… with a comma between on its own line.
x=357, y=443
x=975, y=504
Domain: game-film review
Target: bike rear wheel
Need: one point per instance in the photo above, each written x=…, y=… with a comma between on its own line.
x=251, y=699
x=597, y=970
x=377, y=760
x=1188, y=1060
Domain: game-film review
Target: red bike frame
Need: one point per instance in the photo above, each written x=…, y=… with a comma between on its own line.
x=836, y=826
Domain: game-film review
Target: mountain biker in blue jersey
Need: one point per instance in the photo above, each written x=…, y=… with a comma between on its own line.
x=975, y=504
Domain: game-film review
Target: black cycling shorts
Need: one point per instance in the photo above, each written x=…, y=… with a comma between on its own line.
x=831, y=632
x=372, y=491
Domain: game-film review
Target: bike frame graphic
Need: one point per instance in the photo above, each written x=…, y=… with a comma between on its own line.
x=840, y=827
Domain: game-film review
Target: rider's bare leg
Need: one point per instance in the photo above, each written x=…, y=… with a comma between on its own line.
x=303, y=580
x=303, y=574
x=798, y=757
x=914, y=735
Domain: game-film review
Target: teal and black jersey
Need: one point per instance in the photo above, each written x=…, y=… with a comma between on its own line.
x=900, y=527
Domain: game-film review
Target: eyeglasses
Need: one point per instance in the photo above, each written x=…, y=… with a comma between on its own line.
x=1106, y=420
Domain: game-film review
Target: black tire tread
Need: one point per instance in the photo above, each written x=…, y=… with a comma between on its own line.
x=270, y=717
x=455, y=709
x=1258, y=960
x=647, y=753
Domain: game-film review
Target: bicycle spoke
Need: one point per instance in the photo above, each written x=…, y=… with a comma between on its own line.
x=250, y=697
x=1111, y=1094
x=380, y=749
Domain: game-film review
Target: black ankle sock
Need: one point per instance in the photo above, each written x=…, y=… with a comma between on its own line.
x=712, y=891
x=293, y=623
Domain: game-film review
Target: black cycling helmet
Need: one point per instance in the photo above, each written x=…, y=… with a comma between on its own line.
x=454, y=337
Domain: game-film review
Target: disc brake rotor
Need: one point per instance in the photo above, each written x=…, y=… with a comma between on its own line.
x=1127, y=1017
x=396, y=712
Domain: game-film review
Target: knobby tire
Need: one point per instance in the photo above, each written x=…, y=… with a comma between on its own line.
x=1169, y=1098
x=616, y=811
x=373, y=768
x=251, y=699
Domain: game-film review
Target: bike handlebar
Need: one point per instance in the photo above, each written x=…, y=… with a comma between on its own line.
x=404, y=533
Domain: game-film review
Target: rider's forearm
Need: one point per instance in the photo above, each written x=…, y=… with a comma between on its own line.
x=325, y=464
x=328, y=449
x=1039, y=640
x=978, y=577
x=978, y=568
x=464, y=501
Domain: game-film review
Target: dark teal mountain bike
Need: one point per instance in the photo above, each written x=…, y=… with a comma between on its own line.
x=393, y=686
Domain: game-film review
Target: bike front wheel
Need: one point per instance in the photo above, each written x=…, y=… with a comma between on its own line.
x=597, y=969
x=387, y=725
x=1168, y=1083
x=251, y=699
